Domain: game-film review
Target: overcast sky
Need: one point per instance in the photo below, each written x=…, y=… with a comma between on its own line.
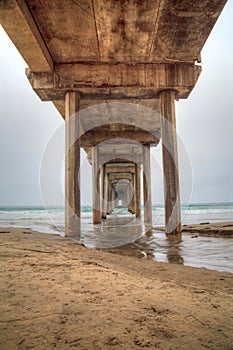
x=204, y=123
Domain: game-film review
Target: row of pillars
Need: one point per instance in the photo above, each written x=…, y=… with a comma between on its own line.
x=170, y=169
x=105, y=196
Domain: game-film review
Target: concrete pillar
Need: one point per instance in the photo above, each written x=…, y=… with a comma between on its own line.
x=116, y=200
x=102, y=182
x=147, y=185
x=132, y=194
x=113, y=198
x=170, y=162
x=133, y=199
x=124, y=199
x=95, y=186
x=72, y=165
x=138, y=191
x=106, y=184
x=109, y=197
x=128, y=197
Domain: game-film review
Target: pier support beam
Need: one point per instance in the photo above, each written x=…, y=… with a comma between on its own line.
x=95, y=186
x=124, y=198
x=137, y=191
x=114, y=198
x=133, y=196
x=103, y=185
x=110, y=189
x=147, y=185
x=72, y=166
x=128, y=197
x=170, y=162
x=106, y=184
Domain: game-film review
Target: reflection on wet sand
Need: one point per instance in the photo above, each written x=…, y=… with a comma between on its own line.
x=112, y=232
x=127, y=235
x=174, y=249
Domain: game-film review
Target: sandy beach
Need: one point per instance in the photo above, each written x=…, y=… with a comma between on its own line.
x=56, y=293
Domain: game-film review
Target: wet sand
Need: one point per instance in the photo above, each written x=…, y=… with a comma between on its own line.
x=214, y=229
x=55, y=293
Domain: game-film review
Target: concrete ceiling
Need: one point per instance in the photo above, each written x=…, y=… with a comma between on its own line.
x=124, y=30
x=125, y=50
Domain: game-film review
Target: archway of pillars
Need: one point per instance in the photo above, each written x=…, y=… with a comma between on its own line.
x=111, y=178
x=122, y=190
x=171, y=179
x=123, y=184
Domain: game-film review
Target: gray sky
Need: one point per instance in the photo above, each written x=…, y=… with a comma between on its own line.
x=204, y=123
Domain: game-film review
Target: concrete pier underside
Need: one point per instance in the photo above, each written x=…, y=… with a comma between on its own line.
x=114, y=69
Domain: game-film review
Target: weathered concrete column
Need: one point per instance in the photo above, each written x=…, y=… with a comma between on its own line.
x=128, y=197
x=170, y=162
x=109, y=197
x=137, y=191
x=103, y=185
x=133, y=196
x=106, y=185
x=95, y=186
x=124, y=199
x=113, y=198
x=72, y=165
x=147, y=185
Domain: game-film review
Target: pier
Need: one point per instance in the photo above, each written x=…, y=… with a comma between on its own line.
x=114, y=69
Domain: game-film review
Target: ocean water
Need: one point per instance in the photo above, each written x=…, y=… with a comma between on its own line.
x=51, y=219
x=128, y=235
